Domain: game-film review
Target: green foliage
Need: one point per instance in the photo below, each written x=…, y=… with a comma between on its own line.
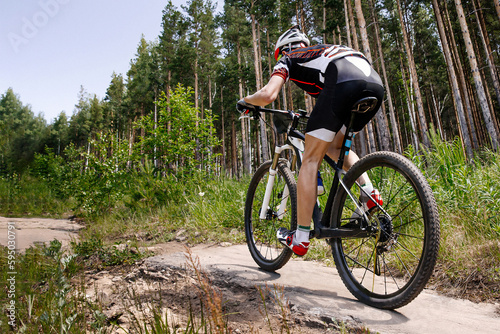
x=92, y=253
x=467, y=193
x=181, y=137
x=21, y=133
x=102, y=177
x=95, y=178
x=46, y=301
x=26, y=195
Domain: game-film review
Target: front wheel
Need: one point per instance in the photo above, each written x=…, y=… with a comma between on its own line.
x=389, y=267
x=260, y=233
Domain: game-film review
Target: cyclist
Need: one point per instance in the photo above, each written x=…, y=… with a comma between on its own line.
x=337, y=76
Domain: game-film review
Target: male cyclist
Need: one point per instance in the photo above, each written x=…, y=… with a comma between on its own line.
x=337, y=76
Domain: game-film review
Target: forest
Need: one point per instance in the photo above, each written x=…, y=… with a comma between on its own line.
x=175, y=107
x=163, y=156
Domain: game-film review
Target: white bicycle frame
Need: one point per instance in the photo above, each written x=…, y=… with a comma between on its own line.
x=299, y=145
x=273, y=170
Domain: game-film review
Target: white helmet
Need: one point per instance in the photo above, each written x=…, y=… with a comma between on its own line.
x=292, y=37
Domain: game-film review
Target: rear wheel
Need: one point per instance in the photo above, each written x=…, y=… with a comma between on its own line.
x=262, y=242
x=391, y=266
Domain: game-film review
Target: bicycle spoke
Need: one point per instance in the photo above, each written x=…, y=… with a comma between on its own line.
x=390, y=273
x=359, y=247
x=407, y=250
x=369, y=262
x=401, y=261
x=410, y=236
x=384, y=269
x=390, y=190
x=402, y=210
x=408, y=222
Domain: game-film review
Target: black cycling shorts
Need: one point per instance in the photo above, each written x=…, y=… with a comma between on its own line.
x=347, y=80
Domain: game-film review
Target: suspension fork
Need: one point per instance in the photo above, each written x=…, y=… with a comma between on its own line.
x=273, y=170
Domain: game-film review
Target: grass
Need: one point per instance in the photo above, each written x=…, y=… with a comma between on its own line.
x=45, y=299
x=51, y=298
x=152, y=210
x=25, y=196
x=196, y=214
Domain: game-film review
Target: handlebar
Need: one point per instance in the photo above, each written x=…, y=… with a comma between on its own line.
x=287, y=113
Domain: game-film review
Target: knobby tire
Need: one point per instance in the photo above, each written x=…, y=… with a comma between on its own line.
x=391, y=267
x=260, y=234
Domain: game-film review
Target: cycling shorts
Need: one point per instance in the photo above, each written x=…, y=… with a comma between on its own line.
x=347, y=80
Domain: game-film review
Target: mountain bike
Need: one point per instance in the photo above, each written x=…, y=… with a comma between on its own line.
x=384, y=256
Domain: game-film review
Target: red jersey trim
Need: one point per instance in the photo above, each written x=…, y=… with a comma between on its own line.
x=281, y=72
x=306, y=83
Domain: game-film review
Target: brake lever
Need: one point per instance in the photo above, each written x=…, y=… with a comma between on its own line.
x=302, y=112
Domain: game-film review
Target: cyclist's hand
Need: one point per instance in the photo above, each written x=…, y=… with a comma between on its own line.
x=244, y=107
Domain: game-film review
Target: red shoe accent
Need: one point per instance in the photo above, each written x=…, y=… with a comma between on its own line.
x=286, y=238
x=375, y=197
x=300, y=249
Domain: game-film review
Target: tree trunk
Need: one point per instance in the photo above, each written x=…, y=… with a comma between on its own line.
x=469, y=112
x=455, y=89
x=394, y=125
x=196, y=102
x=353, y=26
x=437, y=114
x=223, y=134
x=486, y=90
x=497, y=7
x=155, y=127
x=324, y=21
x=362, y=136
x=131, y=139
x=488, y=52
x=244, y=137
x=347, y=25
x=258, y=79
x=381, y=124
x=414, y=78
x=477, y=77
x=234, y=151
x=414, y=137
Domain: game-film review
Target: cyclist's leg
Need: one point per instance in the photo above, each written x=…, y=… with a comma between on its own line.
x=334, y=151
x=298, y=240
x=315, y=150
x=364, y=180
x=321, y=128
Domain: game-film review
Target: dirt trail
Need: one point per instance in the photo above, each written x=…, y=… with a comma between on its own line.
x=318, y=290
x=29, y=231
x=315, y=291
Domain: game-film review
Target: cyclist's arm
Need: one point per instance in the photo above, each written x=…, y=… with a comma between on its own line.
x=268, y=93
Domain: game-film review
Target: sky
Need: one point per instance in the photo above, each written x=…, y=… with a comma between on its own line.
x=50, y=48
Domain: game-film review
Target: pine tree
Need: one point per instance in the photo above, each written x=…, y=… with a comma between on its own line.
x=454, y=81
x=477, y=77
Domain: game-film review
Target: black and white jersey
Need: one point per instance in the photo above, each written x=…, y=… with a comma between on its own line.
x=307, y=66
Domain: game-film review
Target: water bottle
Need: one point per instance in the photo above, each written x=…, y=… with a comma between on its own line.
x=321, y=188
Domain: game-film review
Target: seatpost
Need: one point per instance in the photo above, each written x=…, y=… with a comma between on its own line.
x=347, y=143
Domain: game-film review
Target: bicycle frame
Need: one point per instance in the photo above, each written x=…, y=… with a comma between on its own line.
x=321, y=220
x=399, y=253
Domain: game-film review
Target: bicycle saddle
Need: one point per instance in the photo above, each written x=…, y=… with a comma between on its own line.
x=364, y=105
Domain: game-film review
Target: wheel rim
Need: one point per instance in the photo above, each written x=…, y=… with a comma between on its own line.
x=263, y=231
x=385, y=263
